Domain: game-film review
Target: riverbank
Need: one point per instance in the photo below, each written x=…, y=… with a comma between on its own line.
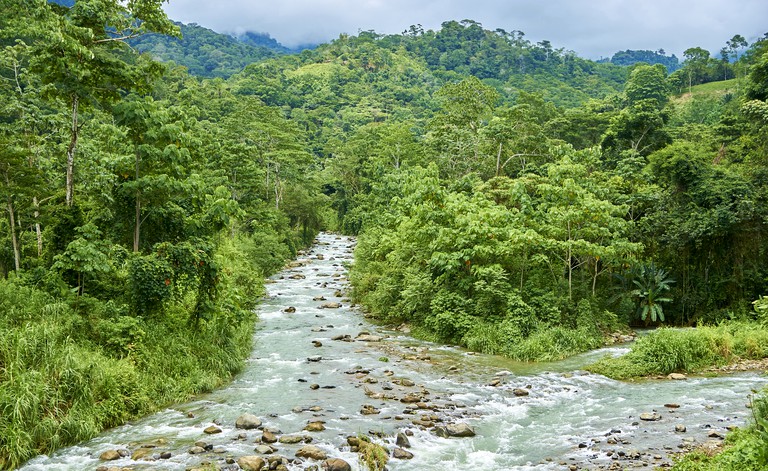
x=72, y=365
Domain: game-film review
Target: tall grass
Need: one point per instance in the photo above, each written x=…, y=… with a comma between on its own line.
x=687, y=350
x=70, y=368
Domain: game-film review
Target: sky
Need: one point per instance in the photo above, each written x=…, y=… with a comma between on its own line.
x=592, y=28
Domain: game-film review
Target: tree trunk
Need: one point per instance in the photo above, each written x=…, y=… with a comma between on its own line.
x=137, y=224
x=70, y=190
x=570, y=264
x=14, y=240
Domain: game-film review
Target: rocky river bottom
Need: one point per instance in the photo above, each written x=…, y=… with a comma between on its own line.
x=320, y=376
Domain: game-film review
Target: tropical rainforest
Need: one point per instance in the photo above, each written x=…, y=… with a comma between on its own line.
x=508, y=196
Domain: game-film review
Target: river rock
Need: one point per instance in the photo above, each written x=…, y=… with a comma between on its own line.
x=264, y=450
x=330, y=305
x=110, y=455
x=677, y=376
x=292, y=439
x=650, y=416
x=212, y=430
x=251, y=463
x=336, y=464
x=402, y=440
x=680, y=428
x=520, y=392
x=248, y=422
x=315, y=426
x=268, y=437
x=142, y=454
x=196, y=450
x=290, y=310
x=411, y=399
x=317, y=343
x=314, y=359
x=455, y=430
x=319, y=298
x=297, y=276
x=312, y=452
x=401, y=454
x=368, y=409
x=368, y=338
x=343, y=338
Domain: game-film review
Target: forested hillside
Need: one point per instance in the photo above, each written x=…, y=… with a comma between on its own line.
x=509, y=197
x=206, y=53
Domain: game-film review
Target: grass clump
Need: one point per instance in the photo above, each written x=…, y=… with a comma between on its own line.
x=687, y=350
x=373, y=457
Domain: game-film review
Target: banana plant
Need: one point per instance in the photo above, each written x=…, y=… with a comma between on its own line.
x=651, y=282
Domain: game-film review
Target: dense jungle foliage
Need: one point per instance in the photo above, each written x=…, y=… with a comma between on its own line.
x=510, y=197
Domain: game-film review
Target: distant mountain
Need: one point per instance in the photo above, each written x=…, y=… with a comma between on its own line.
x=631, y=57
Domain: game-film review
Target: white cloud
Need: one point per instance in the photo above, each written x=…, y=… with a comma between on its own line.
x=592, y=28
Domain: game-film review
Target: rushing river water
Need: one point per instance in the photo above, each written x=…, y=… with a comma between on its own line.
x=298, y=374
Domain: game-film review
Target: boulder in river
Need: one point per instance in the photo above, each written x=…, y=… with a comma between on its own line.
x=290, y=310
x=677, y=376
x=264, y=449
x=650, y=416
x=520, y=392
x=368, y=409
x=312, y=452
x=292, y=439
x=336, y=464
x=268, y=437
x=401, y=454
x=142, y=454
x=248, y=422
x=251, y=463
x=316, y=426
x=212, y=430
x=455, y=430
x=110, y=455
x=402, y=440
x=368, y=338
x=330, y=306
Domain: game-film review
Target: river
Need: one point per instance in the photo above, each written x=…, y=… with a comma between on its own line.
x=298, y=374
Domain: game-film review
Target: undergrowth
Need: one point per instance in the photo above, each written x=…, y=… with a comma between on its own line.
x=71, y=366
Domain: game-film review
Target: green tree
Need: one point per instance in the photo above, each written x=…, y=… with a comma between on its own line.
x=82, y=52
x=695, y=65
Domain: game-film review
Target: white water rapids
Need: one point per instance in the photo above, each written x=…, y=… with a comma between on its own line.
x=570, y=418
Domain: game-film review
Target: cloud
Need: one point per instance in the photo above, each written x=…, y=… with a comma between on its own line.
x=592, y=28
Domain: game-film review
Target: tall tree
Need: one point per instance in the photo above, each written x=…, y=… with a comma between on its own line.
x=82, y=52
